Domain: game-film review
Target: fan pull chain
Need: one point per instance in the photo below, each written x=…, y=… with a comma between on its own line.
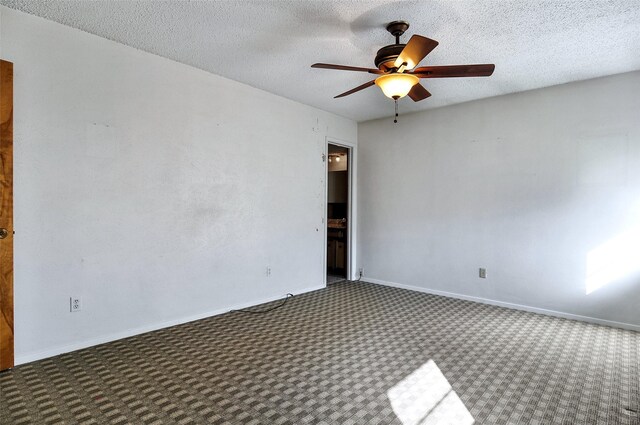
x=395, y=120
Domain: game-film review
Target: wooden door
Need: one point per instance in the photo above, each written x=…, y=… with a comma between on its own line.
x=6, y=215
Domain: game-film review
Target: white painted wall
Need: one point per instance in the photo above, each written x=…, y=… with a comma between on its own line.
x=155, y=191
x=542, y=188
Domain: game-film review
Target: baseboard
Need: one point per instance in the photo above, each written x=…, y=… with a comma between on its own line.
x=530, y=309
x=61, y=349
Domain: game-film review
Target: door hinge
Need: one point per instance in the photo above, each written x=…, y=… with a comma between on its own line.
x=324, y=158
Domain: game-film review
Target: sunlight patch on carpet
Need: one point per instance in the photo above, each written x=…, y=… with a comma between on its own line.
x=425, y=397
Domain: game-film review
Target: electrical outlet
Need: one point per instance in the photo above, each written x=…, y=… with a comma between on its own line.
x=482, y=273
x=268, y=272
x=361, y=271
x=74, y=304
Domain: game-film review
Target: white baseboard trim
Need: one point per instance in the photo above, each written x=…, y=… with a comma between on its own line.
x=507, y=305
x=61, y=349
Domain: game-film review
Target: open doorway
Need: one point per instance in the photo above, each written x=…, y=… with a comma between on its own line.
x=338, y=212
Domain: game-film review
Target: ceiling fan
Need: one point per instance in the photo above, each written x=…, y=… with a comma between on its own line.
x=396, y=67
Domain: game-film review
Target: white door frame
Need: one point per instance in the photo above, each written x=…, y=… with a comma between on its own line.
x=352, y=211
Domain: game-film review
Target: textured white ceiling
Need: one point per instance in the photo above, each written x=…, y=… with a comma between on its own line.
x=271, y=44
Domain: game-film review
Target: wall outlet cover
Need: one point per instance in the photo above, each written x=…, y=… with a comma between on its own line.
x=75, y=304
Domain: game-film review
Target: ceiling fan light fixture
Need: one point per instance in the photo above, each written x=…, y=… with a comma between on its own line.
x=396, y=86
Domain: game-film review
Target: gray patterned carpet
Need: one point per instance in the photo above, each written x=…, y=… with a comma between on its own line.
x=354, y=353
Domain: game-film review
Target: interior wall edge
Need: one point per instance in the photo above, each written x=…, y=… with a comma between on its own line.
x=67, y=348
x=521, y=307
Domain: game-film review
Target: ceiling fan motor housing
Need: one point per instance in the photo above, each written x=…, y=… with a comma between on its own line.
x=388, y=54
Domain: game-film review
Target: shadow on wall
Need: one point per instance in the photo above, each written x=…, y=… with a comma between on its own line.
x=616, y=259
x=425, y=397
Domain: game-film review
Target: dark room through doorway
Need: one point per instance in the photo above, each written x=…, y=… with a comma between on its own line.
x=337, y=213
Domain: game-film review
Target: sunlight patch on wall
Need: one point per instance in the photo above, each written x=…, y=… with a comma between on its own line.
x=425, y=397
x=615, y=259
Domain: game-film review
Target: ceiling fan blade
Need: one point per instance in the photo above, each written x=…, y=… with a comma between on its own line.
x=361, y=87
x=482, y=70
x=418, y=93
x=346, y=68
x=416, y=49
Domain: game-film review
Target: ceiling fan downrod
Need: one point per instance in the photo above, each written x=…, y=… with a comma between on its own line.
x=397, y=28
